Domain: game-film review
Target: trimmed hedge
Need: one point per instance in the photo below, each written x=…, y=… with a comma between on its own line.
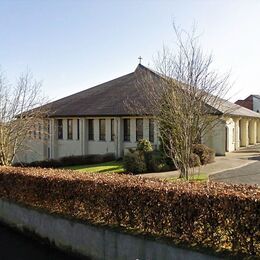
x=211, y=215
x=70, y=161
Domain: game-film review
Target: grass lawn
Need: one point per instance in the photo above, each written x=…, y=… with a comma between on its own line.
x=113, y=166
x=196, y=177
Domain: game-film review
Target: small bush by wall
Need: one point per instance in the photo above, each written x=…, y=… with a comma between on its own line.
x=70, y=161
x=134, y=162
x=206, y=154
x=209, y=215
x=144, y=145
x=194, y=160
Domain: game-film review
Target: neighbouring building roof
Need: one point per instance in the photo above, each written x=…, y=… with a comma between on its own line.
x=256, y=96
x=110, y=99
x=248, y=102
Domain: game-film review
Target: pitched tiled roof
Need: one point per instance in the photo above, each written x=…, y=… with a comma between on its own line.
x=110, y=98
x=236, y=110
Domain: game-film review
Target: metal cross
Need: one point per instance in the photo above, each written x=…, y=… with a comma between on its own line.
x=140, y=59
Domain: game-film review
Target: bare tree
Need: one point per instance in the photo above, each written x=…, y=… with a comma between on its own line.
x=18, y=116
x=185, y=95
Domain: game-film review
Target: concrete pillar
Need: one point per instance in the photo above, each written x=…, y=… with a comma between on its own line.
x=244, y=132
x=156, y=135
x=132, y=130
x=108, y=129
x=53, y=139
x=146, y=128
x=119, y=148
x=252, y=131
x=83, y=136
x=258, y=131
x=236, y=133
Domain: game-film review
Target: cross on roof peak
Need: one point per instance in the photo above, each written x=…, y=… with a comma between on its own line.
x=140, y=59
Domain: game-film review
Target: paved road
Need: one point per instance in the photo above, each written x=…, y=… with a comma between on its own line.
x=15, y=246
x=249, y=174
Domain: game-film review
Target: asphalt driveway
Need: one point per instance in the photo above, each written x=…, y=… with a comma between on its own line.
x=249, y=174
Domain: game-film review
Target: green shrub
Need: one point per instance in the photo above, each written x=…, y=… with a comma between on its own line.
x=134, y=162
x=194, y=160
x=206, y=154
x=144, y=145
x=217, y=216
x=154, y=161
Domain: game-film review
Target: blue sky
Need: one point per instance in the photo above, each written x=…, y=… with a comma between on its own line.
x=74, y=45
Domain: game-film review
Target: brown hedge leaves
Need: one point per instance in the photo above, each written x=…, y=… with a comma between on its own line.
x=208, y=215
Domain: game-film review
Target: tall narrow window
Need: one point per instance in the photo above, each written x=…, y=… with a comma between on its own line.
x=139, y=129
x=60, y=129
x=151, y=130
x=102, y=129
x=40, y=131
x=30, y=134
x=112, y=129
x=34, y=132
x=48, y=129
x=78, y=129
x=127, y=130
x=91, y=129
x=49, y=153
x=69, y=129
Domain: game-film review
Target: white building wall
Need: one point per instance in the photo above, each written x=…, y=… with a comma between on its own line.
x=215, y=138
x=231, y=134
x=133, y=143
x=221, y=139
x=256, y=104
x=67, y=147
x=34, y=148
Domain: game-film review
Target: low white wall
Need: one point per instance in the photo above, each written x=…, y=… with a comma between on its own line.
x=89, y=240
x=100, y=147
x=68, y=148
x=34, y=150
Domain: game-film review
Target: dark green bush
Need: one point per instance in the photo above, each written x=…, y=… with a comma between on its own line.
x=134, y=162
x=144, y=146
x=154, y=161
x=206, y=154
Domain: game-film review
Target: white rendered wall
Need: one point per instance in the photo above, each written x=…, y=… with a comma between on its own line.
x=66, y=147
x=133, y=142
x=215, y=138
x=256, y=104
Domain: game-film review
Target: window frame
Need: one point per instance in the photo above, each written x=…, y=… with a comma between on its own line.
x=91, y=126
x=69, y=129
x=151, y=130
x=60, y=129
x=48, y=129
x=40, y=131
x=78, y=129
x=112, y=127
x=34, y=132
x=127, y=130
x=102, y=136
x=139, y=132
